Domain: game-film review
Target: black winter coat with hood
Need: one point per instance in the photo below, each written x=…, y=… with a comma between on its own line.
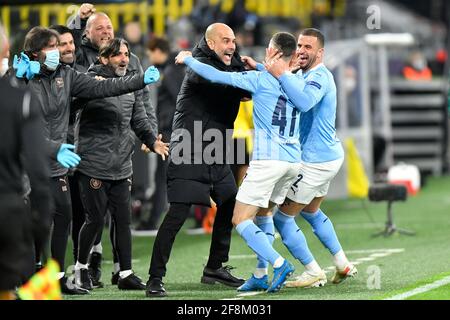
x=215, y=105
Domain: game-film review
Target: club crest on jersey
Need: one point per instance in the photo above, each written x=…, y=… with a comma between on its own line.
x=59, y=82
x=95, y=184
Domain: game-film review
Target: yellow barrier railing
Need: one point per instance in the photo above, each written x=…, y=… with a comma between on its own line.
x=158, y=11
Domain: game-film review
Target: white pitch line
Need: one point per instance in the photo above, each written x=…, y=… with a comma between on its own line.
x=381, y=255
x=249, y=294
x=243, y=256
x=396, y=250
x=422, y=289
x=366, y=259
x=377, y=253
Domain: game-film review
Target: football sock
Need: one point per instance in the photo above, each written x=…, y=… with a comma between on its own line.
x=97, y=248
x=79, y=266
x=293, y=237
x=340, y=260
x=267, y=226
x=125, y=273
x=313, y=267
x=257, y=240
x=260, y=272
x=279, y=262
x=324, y=230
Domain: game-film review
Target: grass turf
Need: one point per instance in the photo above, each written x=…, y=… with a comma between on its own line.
x=425, y=255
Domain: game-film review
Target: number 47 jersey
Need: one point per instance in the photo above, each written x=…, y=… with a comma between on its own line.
x=276, y=120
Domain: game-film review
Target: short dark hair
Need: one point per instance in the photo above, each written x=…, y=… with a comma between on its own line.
x=159, y=43
x=285, y=42
x=112, y=47
x=38, y=38
x=60, y=29
x=312, y=32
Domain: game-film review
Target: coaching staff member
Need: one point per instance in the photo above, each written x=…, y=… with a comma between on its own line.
x=215, y=107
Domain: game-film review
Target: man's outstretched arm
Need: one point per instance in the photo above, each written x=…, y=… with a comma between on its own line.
x=244, y=80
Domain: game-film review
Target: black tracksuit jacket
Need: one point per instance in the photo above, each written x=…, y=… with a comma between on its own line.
x=105, y=140
x=55, y=91
x=87, y=55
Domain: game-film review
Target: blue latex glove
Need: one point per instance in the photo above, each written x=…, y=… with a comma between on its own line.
x=66, y=157
x=25, y=67
x=33, y=69
x=151, y=75
x=21, y=65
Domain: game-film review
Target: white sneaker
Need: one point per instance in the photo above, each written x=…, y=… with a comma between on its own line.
x=308, y=279
x=350, y=271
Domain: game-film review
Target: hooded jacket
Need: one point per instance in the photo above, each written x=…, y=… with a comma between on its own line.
x=105, y=139
x=215, y=105
x=55, y=89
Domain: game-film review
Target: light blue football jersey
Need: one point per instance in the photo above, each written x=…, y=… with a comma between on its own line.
x=318, y=139
x=276, y=120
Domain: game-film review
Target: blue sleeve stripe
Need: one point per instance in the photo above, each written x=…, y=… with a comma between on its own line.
x=315, y=84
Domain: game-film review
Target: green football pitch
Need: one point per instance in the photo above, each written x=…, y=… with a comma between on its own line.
x=399, y=266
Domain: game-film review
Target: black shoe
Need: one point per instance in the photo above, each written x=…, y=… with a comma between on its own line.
x=114, y=278
x=132, y=282
x=222, y=275
x=155, y=288
x=82, y=279
x=95, y=269
x=70, y=288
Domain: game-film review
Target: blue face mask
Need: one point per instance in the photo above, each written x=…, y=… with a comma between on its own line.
x=52, y=59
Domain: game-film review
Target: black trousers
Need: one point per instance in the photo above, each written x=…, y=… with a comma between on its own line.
x=62, y=217
x=175, y=218
x=99, y=196
x=77, y=212
x=16, y=242
x=78, y=219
